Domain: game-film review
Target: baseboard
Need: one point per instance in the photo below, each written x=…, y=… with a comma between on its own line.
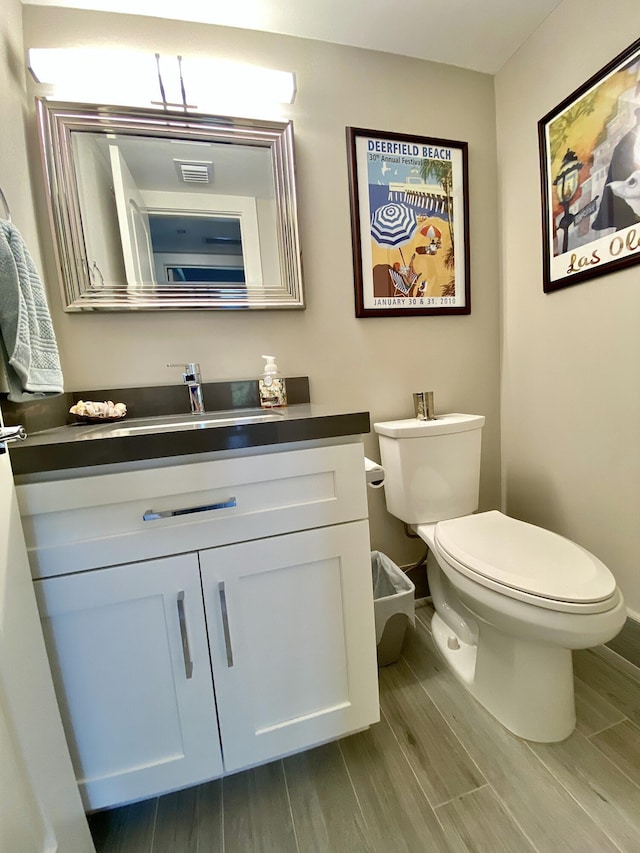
x=627, y=643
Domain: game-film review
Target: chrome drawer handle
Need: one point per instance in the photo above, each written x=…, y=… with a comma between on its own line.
x=152, y=514
x=225, y=624
x=186, y=651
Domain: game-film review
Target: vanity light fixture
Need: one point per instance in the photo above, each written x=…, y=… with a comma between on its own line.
x=131, y=78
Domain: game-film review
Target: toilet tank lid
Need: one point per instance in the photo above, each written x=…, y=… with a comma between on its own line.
x=524, y=557
x=440, y=425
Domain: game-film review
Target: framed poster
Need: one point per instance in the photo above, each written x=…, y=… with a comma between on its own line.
x=590, y=172
x=409, y=224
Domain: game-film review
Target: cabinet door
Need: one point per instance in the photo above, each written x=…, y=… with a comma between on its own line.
x=129, y=656
x=292, y=640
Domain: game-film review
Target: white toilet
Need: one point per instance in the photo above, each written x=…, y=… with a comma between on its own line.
x=511, y=599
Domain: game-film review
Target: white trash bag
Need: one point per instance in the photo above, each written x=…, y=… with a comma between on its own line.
x=394, y=606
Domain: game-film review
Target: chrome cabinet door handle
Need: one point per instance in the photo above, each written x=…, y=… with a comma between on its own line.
x=225, y=624
x=152, y=514
x=186, y=652
x=14, y=433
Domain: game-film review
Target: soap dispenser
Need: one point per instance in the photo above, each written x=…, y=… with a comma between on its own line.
x=272, y=388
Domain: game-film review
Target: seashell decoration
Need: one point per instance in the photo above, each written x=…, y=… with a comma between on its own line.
x=107, y=410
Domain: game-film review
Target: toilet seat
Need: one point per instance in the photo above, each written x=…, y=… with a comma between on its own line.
x=526, y=562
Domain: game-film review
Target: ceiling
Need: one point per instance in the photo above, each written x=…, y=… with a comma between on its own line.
x=477, y=34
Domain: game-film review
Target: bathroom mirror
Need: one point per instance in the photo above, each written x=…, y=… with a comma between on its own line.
x=170, y=210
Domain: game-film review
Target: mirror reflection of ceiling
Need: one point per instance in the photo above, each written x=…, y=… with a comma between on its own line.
x=155, y=164
x=481, y=36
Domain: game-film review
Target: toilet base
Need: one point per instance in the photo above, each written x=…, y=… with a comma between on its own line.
x=528, y=687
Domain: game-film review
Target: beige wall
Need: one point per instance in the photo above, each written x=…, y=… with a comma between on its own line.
x=570, y=376
x=372, y=364
x=570, y=399
x=14, y=168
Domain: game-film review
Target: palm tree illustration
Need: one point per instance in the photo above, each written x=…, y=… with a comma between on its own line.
x=450, y=288
x=441, y=172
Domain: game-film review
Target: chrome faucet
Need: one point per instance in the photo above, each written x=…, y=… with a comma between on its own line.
x=191, y=378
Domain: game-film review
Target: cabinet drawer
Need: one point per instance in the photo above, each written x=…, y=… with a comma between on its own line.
x=86, y=523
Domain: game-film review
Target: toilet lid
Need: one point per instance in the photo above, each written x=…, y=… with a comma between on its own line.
x=521, y=557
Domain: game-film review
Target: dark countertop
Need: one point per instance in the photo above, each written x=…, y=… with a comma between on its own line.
x=81, y=445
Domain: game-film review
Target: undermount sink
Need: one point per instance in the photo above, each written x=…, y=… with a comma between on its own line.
x=206, y=420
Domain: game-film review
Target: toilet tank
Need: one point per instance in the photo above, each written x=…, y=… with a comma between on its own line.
x=431, y=468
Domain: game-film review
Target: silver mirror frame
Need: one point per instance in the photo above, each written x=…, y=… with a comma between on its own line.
x=57, y=121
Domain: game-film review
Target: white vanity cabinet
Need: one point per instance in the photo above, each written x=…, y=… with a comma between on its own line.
x=205, y=617
x=289, y=633
x=128, y=651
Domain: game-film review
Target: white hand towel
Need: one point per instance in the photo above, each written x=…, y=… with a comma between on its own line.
x=29, y=346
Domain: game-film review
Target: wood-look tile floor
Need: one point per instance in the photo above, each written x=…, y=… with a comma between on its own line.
x=436, y=774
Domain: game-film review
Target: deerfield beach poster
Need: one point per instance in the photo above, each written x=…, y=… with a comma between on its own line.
x=409, y=217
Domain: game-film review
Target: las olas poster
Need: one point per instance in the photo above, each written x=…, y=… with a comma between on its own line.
x=409, y=219
x=590, y=159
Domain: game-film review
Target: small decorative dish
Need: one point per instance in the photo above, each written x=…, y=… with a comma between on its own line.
x=90, y=412
x=86, y=419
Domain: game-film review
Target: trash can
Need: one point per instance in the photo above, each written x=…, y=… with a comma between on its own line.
x=394, y=606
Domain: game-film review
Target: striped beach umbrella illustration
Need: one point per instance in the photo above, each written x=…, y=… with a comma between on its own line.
x=393, y=224
x=431, y=233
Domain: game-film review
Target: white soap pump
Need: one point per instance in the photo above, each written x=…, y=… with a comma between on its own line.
x=271, y=386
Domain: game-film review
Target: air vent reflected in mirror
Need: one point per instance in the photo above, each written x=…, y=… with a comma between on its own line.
x=195, y=171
